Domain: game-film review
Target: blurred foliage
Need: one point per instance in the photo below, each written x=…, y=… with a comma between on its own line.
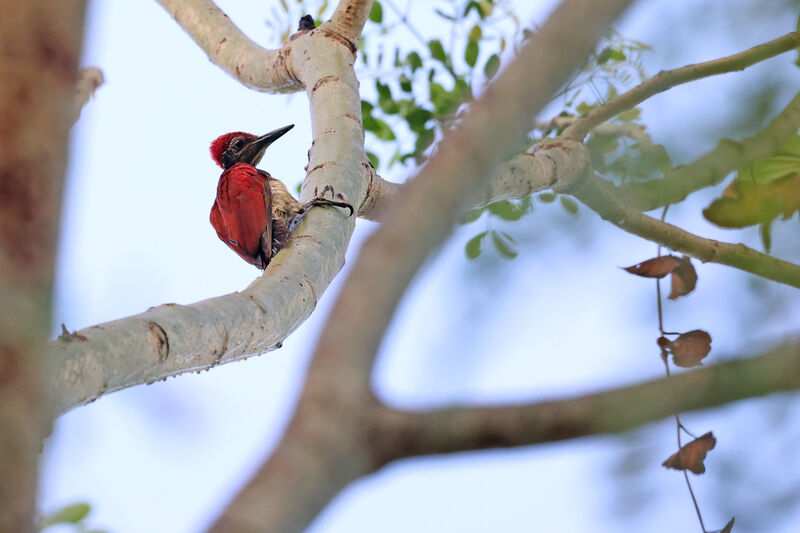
x=422, y=88
x=73, y=515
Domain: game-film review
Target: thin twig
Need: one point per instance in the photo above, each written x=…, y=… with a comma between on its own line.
x=669, y=78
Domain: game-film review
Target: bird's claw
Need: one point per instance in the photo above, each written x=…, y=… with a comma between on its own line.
x=337, y=199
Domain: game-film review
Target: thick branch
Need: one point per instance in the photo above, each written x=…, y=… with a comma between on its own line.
x=714, y=166
x=549, y=164
x=39, y=51
x=325, y=434
x=603, y=198
x=400, y=434
x=667, y=79
x=231, y=50
x=349, y=18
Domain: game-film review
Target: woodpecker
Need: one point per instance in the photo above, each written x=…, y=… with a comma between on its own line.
x=254, y=213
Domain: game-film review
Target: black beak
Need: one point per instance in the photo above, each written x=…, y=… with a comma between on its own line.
x=254, y=150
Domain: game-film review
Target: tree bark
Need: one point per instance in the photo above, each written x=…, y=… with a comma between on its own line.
x=39, y=51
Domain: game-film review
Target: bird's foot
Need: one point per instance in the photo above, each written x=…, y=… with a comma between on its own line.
x=337, y=200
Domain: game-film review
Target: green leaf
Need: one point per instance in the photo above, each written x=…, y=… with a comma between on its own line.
x=473, y=5
x=414, y=61
x=385, y=100
x=383, y=90
x=424, y=140
x=405, y=83
x=437, y=50
x=584, y=107
x=570, y=205
x=771, y=168
x=380, y=128
x=384, y=131
x=492, y=66
x=473, y=247
x=609, y=54
x=417, y=118
x=475, y=34
x=506, y=210
x=471, y=216
x=547, y=197
x=444, y=15
x=366, y=107
x=373, y=159
x=792, y=146
x=503, y=246
x=71, y=514
x=471, y=53
x=376, y=13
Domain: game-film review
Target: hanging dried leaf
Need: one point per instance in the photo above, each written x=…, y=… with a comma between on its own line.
x=684, y=278
x=690, y=348
x=691, y=456
x=658, y=267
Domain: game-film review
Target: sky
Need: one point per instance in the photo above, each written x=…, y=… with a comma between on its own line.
x=560, y=320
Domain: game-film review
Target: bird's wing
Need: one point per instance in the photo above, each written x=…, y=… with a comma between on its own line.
x=241, y=213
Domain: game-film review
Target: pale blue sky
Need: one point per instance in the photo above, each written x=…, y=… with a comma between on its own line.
x=561, y=319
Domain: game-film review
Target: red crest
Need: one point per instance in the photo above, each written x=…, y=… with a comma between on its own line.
x=221, y=143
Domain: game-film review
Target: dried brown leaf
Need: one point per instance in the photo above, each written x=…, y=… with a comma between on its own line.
x=657, y=267
x=691, y=456
x=690, y=348
x=684, y=278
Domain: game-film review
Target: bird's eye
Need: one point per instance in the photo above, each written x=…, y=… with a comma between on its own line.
x=238, y=144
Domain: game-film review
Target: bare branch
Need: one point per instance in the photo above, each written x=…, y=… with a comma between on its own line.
x=323, y=438
x=400, y=434
x=714, y=166
x=39, y=51
x=667, y=79
x=349, y=18
x=603, y=198
x=231, y=50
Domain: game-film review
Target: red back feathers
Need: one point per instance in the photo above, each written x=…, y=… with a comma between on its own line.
x=221, y=143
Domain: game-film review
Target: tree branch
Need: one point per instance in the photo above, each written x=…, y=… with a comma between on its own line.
x=667, y=79
x=603, y=198
x=349, y=18
x=319, y=453
x=553, y=163
x=402, y=434
x=714, y=166
x=231, y=50
x=171, y=339
x=39, y=51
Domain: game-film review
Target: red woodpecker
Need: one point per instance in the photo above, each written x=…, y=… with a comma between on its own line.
x=254, y=213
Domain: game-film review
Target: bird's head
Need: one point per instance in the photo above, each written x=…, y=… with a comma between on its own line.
x=240, y=147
